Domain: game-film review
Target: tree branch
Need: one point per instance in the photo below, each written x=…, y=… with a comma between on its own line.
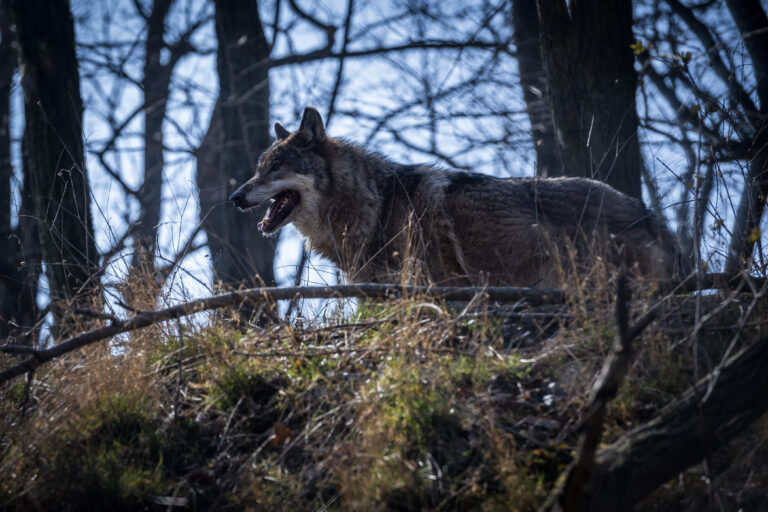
x=326, y=53
x=752, y=21
x=736, y=89
x=568, y=497
x=630, y=469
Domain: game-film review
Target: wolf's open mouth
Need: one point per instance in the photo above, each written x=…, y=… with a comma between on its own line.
x=281, y=207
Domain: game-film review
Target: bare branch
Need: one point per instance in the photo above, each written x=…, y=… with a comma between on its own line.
x=637, y=463
x=568, y=497
x=738, y=93
x=329, y=30
x=433, y=44
x=340, y=70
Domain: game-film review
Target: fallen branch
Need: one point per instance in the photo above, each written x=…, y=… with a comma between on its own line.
x=630, y=469
x=532, y=296
x=568, y=496
x=715, y=281
x=636, y=457
x=269, y=295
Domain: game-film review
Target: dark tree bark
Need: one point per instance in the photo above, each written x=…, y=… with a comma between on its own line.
x=752, y=22
x=19, y=260
x=686, y=431
x=55, y=165
x=525, y=21
x=156, y=81
x=8, y=257
x=237, y=135
x=7, y=69
x=592, y=81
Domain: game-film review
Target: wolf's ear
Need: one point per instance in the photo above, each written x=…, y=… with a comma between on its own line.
x=311, y=129
x=281, y=132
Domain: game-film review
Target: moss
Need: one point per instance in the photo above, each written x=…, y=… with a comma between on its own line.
x=432, y=446
x=110, y=458
x=18, y=392
x=241, y=383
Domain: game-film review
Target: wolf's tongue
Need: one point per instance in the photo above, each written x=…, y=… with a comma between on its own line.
x=271, y=211
x=281, y=207
x=269, y=216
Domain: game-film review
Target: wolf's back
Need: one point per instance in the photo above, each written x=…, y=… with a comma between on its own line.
x=518, y=226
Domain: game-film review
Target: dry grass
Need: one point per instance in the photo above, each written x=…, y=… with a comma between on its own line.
x=410, y=405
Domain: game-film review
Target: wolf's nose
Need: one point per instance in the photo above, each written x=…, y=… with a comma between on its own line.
x=237, y=196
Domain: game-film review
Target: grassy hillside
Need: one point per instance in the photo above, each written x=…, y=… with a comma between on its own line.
x=401, y=405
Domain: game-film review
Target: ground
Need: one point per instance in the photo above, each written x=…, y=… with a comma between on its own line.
x=401, y=405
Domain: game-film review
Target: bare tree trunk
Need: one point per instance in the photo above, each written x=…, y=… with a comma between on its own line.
x=20, y=261
x=18, y=288
x=55, y=165
x=156, y=81
x=29, y=266
x=8, y=256
x=7, y=69
x=525, y=21
x=237, y=135
x=753, y=25
x=592, y=82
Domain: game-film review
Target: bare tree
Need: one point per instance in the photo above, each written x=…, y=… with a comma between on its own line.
x=237, y=135
x=55, y=162
x=525, y=20
x=156, y=84
x=752, y=22
x=20, y=260
x=700, y=99
x=592, y=85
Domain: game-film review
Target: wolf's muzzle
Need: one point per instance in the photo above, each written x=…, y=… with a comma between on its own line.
x=238, y=198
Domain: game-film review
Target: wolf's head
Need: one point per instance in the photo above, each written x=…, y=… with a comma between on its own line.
x=287, y=175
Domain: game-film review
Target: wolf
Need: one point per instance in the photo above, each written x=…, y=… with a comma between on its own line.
x=378, y=220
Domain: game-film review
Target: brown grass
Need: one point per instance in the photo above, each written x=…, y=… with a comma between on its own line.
x=409, y=405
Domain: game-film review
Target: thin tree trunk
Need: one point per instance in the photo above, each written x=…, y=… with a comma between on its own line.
x=55, y=165
x=525, y=21
x=20, y=263
x=592, y=83
x=17, y=293
x=237, y=135
x=7, y=69
x=752, y=22
x=156, y=81
x=29, y=267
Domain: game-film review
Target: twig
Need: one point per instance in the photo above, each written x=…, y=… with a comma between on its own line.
x=18, y=349
x=568, y=496
x=95, y=314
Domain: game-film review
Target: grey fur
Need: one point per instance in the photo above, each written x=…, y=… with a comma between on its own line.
x=377, y=219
